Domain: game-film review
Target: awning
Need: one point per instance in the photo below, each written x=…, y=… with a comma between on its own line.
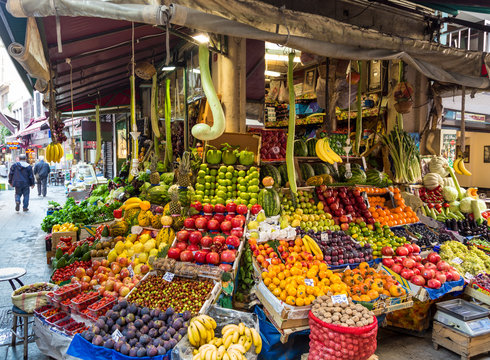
x=10, y=123
x=453, y=6
x=34, y=127
x=257, y=20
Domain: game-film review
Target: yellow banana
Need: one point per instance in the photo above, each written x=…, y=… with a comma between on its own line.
x=238, y=347
x=257, y=340
x=324, y=155
x=202, y=330
x=233, y=355
x=306, y=243
x=191, y=332
x=241, y=328
x=318, y=150
x=134, y=200
x=235, y=337
x=228, y=341
x=463, y=169
x=248, y=333
x=332, y=154
x=248, y=344
x=221, y=352
x=456, y=166
x=206, y=321
x=61, y=151
x=242, y=340
x=48, y=153
x=132, y=206
x=211, y=354
x=228, y=327
x=210, y=334
x=54, y=152
x=197, y=356
x=226, y=356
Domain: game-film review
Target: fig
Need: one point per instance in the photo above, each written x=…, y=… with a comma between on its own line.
x=97, y=340
x=173, y=342
x=177, y=337
x=145, y=339
x=138, y=323
x=144, y=329
x=130, y=318
x=133, y=352
x=123, y=304
x=141, y=352
x=100, y=323
x=166, y=336
x=171, y=331
x=132, y=309
x=186, y=315
x=153, y=333
x=96, y=330
x=130, y=334
x=170, y=311
x=146, y=318
x=162, y=316
x=123, y=313
x=109, y=344
x=145, y=311
x=114, y=315
x=182, y=331
x=161, y=350
x=167, y=345
x=88, y=335
x=121, y=321
x=132, y=342
x=125, y=348
x=157, y=324
x=109, y=322
x=118, y=345
x=177, y=324
x=151, y=350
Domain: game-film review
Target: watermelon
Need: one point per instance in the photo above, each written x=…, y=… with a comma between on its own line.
x=374, y=177
x=300, y=148
x=270, y=202
x=306, y=171
x=283, y=171
x=358, y=176
x=320, y=168
x=271, y=170
x=311, y=145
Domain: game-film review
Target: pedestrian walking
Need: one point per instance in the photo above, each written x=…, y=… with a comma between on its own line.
x=41, y=173
x=21, y=177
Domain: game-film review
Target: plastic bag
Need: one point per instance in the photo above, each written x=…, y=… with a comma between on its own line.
x=283, y=93
x=335, y=342
x=183, y=349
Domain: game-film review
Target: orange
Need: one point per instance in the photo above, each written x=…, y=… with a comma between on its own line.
x=301, y=291
x=277, y=292
x=281, y=276
x=336, y=287
x=335, y=279
x=272, y=287
x=287, y=273
x=322, y=274
x=290, y=300
x=310, y=290
x=307, y=301
x=276, y=281
x=365, y=298
x=363, y=265
x=291, y=291
x=284, y=295
x=265, y=274
x=300, y=301
x=356, y=298
x=283, y=284
x=311, y=297
x=267, y=281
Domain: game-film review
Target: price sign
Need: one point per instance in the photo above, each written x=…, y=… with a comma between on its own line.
x=342, y=298
x=468, y=276
x=309, y=282
x=324, y=236
x=116, y=335
x=131, y=271
x=168, y=276
x=457, y=261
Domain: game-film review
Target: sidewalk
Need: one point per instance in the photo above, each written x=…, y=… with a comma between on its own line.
x=22, y=245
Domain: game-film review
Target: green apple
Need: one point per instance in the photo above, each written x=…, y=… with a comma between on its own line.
x=242, y=173
x=213, y=172
x=222, y=169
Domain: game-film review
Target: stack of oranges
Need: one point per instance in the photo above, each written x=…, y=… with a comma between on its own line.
x=299, y=285
x=367, y=284
x=386, y=215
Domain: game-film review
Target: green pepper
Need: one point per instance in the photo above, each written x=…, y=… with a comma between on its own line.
x=246, y=157
x=213, y=156
x=228, y=154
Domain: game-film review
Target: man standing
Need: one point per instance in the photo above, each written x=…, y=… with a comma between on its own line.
x=41, y=172
x=21, y=177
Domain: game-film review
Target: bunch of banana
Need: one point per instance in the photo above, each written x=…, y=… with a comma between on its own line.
x=311, y=246
x=131, y=203
x=236, y=340
x=325, y=152
x=459, y=167
x=201, y=330
x=54, y=152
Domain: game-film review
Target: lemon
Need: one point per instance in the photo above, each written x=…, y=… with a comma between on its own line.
x=144, y=238
x=128, y=244
x=149, y=245
x=143, y=257
x=137, y=247
x=153, y=252
x=111, y=257
x=119, y=247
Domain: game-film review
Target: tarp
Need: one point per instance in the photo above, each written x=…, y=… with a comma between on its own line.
x=256, y=20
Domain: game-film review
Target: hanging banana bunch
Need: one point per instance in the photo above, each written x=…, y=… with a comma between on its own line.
x=54, y=152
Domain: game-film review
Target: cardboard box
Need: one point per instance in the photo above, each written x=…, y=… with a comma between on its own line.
x=245, y=141
x=55, y=238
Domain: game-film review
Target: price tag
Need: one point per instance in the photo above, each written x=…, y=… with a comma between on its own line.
x=269, y=260
x=457, y=261
x=276, y=149
x=364, y=165
x=324, y=236
x=469, y=276
x=309, y=282
x=116, y=335
x=131, y=271
x=168, y=276
x=342, y=298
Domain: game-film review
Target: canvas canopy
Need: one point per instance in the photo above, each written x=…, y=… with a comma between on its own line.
x=256, y=20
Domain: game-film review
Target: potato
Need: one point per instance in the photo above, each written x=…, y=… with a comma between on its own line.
x=359, y=324
x=336, y=317
x=348, y=311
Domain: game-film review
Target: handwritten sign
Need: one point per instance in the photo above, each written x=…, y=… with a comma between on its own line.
x=338, y=299
x=309, y=282
x=168, y=276
x=457, y=261
x=116, y=335
x=131, y=271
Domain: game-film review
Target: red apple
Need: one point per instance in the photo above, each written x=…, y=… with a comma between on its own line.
x=182, y=235
x=415, y=248
x=144, y=269
x=226, y=226
x=387, y=251
x=187, y=256
x=388, y=262
x=417, y=280
x=213, y=225
x=233, y=241
x=195, y=237
x=212, y=258
x=219, y=208
x=190, y=223
x=231, y=207
x=201, y=223
x=206, y=241
x=181, y=245
x=242, y=209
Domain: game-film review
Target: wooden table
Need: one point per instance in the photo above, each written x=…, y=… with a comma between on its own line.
x=12, y=273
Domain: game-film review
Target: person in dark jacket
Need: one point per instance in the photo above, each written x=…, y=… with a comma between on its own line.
x=21, y=177
x=41, y=172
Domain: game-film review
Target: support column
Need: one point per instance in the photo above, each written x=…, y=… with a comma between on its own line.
x=229, y=77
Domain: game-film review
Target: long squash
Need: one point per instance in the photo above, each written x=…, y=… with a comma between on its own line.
x=291, y=128
x=154, y=107
x=98, y=135
x=357, y=143
x=135, y=148
x=168, y=115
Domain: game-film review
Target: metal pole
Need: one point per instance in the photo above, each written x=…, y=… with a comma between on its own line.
x=463, y=131
x=186, y=111
x=114, y=146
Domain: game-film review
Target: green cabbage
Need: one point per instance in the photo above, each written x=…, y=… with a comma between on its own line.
x=450, y=193
x=167, y=178
x=454, y=206
x=465, y=205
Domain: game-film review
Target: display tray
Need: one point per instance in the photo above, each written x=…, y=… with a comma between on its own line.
x=462, y=309
x=478, y=295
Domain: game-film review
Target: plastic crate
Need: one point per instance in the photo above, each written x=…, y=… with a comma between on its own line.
x=49, y=313
x=67, y=291
x=72, y=328
x=96, y=312
x=60, y=324
x=52, y=320
x=81, y=305
x=65, y=305
x=42, y=309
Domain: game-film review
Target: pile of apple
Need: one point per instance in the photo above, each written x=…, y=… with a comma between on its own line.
x=344, y=204
x=431, y=272
x=212, y=237
x=108, y=279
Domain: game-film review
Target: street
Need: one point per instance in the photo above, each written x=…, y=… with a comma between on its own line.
x=22, y=245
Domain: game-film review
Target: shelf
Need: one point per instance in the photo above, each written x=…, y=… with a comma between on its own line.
x=299, y=122
x=368, y=112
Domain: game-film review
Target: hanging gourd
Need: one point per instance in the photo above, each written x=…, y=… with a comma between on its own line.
x=168, y=119
x=291, y=128
x=357, y=142
x=98, y=135
x=154, y=113
x=202, y=131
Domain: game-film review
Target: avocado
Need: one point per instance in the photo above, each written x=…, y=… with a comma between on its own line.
x=59, y=254
x=61, y=263
x=86, y=256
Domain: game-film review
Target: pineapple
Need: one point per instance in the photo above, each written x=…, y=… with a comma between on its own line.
x=184, y=171
x=154, y=175
x=174, y=205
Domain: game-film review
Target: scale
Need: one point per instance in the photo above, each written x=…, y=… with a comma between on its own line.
x=463, y=316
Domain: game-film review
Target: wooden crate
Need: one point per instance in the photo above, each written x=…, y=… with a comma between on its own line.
x=459, y=342
x=49, y=256
x=478, y=295
x=55, y=238
x=245, y=141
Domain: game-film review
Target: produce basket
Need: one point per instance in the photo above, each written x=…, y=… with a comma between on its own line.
x=29, y=301
x=183, y=349
x=328, y=341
